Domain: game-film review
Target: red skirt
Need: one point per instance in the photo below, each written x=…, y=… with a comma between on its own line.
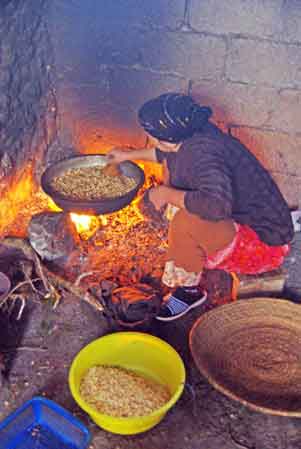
x=247, y=254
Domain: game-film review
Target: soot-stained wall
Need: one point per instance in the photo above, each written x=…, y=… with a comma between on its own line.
x=27, y=103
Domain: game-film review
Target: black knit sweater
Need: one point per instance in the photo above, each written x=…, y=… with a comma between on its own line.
x=224, y=180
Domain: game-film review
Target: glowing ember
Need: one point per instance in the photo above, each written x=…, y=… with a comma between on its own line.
x=103, y=219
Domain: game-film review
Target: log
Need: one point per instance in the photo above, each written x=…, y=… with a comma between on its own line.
x=265, y=284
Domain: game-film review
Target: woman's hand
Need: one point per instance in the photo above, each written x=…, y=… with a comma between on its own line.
x=117, y=154
x=127, y=153
x=159, y=196
x=162, y=195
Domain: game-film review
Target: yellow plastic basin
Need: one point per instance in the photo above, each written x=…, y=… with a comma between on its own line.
x=143, y=353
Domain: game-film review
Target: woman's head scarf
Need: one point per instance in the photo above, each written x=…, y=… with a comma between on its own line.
x=173, y=117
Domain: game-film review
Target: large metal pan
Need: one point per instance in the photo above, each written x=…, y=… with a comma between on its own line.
x=91, y=207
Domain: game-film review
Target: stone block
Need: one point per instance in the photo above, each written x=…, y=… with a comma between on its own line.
x=239, y=104
x=250, y=17
x=290, y=187
x=154, y=13
x=83, y=97
x=286, y=113
x=244, y=104
x=53, y=235
x=94, y=123
x=264, y=62
x=119, y=44
x=291, y=21
x=131, y=88
x=118, y=126
x=279, y=152
x=258, y=285
x=191, y=55
x=186, y=54
x=74, y=43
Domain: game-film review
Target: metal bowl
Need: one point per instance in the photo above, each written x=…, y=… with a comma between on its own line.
x=95, y=206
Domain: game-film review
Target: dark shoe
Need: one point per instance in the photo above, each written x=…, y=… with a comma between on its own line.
x=221, y=286
x=181, y=302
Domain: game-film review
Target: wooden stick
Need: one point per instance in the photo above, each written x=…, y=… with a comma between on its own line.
x=16, y=287
x=24, y=348
x=40, y=272
x=84, y=275
x=75, y=290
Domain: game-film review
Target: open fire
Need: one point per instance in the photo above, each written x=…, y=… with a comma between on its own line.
x=124, y=246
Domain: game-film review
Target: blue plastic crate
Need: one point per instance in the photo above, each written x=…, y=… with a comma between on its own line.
x=42, y=424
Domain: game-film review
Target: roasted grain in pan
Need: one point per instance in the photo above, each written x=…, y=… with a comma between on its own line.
x=90, y=183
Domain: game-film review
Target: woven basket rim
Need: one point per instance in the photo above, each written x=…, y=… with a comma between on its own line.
x=250, y=303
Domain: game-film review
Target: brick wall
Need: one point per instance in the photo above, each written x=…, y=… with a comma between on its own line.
x=242, y=57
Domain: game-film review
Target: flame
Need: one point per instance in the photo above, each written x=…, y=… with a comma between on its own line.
x=82, y=222
x=52, y=206
x=153, y=173
x=86, y=225
x=16, y=196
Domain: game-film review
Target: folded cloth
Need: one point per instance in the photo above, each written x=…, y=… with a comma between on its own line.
x=247, y=254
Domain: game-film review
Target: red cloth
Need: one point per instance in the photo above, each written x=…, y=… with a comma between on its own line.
x=247, y=254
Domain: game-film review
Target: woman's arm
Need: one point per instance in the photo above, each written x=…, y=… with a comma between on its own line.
x=123, y=154
x=210, y=193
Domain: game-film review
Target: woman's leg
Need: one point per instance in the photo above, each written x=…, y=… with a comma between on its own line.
x=190, y=240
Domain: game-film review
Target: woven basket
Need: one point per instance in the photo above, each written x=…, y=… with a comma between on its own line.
x=250, y=350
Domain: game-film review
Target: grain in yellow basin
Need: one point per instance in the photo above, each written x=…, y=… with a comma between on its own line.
x=134, y=352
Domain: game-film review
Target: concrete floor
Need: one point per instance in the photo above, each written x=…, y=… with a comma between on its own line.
x=202, y=419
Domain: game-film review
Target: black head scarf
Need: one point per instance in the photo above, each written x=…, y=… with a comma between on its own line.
x=173, y=117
